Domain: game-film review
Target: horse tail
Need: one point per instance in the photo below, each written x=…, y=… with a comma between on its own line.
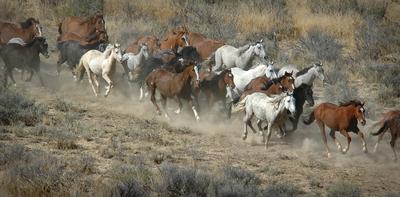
x=310, y=119
x=210, y=60
x=381, y=130
x=239, y=106
x=78, y=71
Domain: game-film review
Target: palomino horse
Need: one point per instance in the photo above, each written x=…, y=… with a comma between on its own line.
x=242, y=77
x=152, y=43
x=270, y=109
x=174, y=40
x=342, y=118
x=305, y=76
x=98, y=63
x=26, y=30
x=173, y=85
x=228, y=56
x=214, y=86
x=390, y=120
x=24, y=57
x=96, y=37
x=83, y=27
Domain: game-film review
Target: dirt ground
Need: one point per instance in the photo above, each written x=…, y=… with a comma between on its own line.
x=213, y=142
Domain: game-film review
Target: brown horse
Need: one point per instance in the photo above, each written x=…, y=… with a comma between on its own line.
x=342, y=118
x=97, y=37
x=83, y=27
x=214, y=86
x=174, y=40
x=151, y=41
x=26, y=30
x=390, y=120
x=173, y=85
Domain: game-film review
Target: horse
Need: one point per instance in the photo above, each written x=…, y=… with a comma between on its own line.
x=174, y=40
x=96, y=37
x=173, y=85
x=214, y=86
x=100, y=63
x=26, y=30
x=264, y=83
x=342, y=118
x=131, y=61
x=272, y=109
x=152, y=43
x=390, y=121
x=242, y=77
x=72, y=51
x=24, y=57
x=307, y=75
x=228, y=56
x=83, y=27
x=302, y=94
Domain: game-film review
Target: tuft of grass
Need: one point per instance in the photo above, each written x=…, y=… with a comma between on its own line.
x=282, y=190
x=342, y=188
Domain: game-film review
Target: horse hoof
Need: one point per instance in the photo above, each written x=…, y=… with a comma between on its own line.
x=178, y=111
x=365, y=150
x=339, y=148
x=329, y=155
x=244, y=137
x=344, y=151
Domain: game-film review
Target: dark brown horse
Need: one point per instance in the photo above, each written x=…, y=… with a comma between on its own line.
x=152, y=42
x=83, y=27
x=174, y=40
x=342, y=118
x=173, y=85
x=26, y=30
x=97, y=37
x=214, y=86
x=390, y=120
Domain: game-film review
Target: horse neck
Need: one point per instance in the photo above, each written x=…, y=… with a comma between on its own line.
x=300, y=96
x=180, y=79
x=307, y=77
x=246, y=56
x=352, y=111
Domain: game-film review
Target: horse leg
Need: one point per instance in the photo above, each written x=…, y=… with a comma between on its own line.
x=346, y=134
x=96, y=82
x=269, y=132
x=10, y=73
x=196, y=115
x=332, y=134
x=90, y=77
x=379, y=140
x=393, y=143
x=40, y=78
x=246, y=121
x=321, y=126
x=141, y=93
x=164, y=106
x=110, y=83
x=153, y=99
x=361, y=134
x=178, y=100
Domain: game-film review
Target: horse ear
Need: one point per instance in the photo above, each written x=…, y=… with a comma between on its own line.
x=261, y=41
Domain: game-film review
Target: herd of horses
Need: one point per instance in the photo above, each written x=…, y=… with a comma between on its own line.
x=185, y=66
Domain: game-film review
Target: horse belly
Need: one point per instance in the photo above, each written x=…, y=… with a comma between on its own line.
x=95, y=66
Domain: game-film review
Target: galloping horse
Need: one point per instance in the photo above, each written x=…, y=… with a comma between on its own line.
x=83, y=27
x=242, y=77
x=390, y=120
x=174, y=40
x=152, y=43
x=24, y=57
x=98, y=63
x=173, y=85
x=96, y=37
x=270, y=109
x=342, y=118
x=305, y=76
x=261, y=83
x=132, y=62
x=228, y=56
x=26, y=30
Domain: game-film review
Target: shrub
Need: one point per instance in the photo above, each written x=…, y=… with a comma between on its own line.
x=9, y=154
x=339, y=89
x=344, y=189
x=130, y=188
x=281, y=190
x=16, y=108
x=238, y=174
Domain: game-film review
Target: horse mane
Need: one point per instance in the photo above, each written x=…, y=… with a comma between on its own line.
x=33, y=41
x=92, y=19
x=243, y=48
x=271, y=82
x=28, y=23
x=304, y=71
x=351, y=102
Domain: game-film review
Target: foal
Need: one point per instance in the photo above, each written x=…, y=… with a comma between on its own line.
x=342, y=118
x=390, y=120
x=173, y=85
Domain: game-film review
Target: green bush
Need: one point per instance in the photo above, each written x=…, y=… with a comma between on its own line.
x=341, y=189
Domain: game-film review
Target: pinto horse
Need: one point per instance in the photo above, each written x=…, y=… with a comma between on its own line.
x=83, y=27
x=390, y=120
x=173, y=85
x=342, y=118
x=152, y=43
x=26, y=30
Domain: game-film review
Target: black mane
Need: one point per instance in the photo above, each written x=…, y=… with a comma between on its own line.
x=28, y=23
x=351, y=102
x=304, y=71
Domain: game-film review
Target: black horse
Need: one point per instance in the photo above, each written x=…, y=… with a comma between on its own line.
x=302, y=94
x=71, y=52
x=24, y=57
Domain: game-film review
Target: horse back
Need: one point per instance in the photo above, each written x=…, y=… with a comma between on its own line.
x=335, y=117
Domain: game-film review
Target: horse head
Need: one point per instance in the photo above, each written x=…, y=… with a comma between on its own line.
x=288, y=80
x=289, y=102
x=270, y=71
x=144, y=49
x=34, y=24
x=117, y=52
x=98, y=21
x=319, y=71
x=193, y=71
x=228, y=79
x=258, y=49
x=360, y=113
x=42, y=46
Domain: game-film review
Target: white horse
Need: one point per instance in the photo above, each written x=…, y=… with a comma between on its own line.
x=241, y=77
x=305, y=76
x=228, y=56
x=97, y=63
x=273, y=110
x=133, y=61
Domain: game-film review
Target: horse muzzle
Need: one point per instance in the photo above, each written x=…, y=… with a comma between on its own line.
x=363, y=122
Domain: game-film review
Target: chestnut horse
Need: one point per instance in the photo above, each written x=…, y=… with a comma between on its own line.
x=214, y=86
x=152, y=43
x=83, y=27
x=26, y=30
x=174, y=40
x=173, y=85
x=390, y=120
x=96, y=37
x=342, y=118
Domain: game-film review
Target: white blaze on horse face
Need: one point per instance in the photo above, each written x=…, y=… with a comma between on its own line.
x=39, y=29
x=196, y=70
x=186, y=39
x=145, y=51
